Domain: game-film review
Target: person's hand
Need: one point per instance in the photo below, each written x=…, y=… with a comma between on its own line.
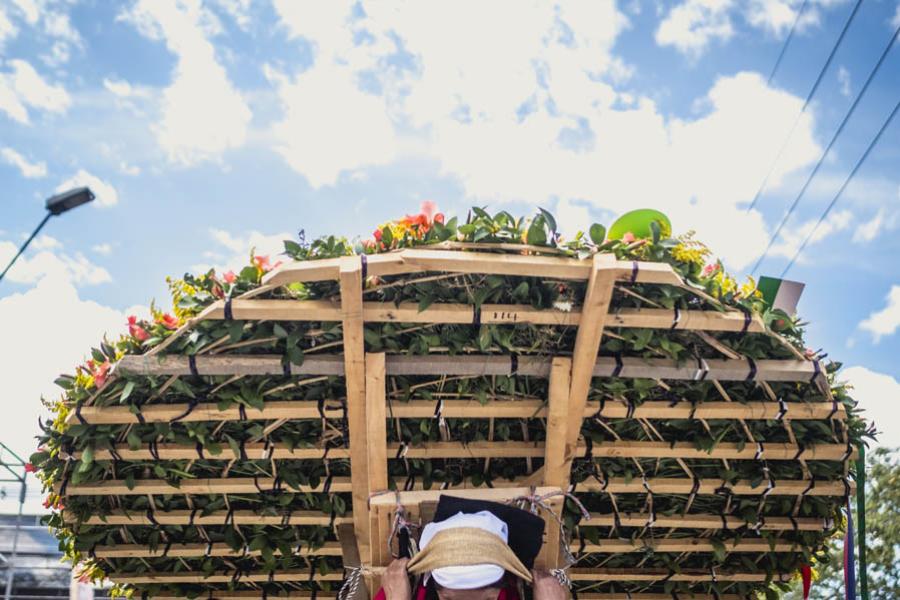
x=548, y=587
x=396, y=581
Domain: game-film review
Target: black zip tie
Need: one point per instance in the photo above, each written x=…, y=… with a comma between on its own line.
x=702, y=369
x=439, y=409
x=192, y=404
x=165, y=551
x=589, y=448
x=271, y=578
x=265, y=594
x=364, y=266
x=242, y=412
x=793, y=523
x=154, y=450
x=760, y=449
x=276, y=485
x=834, y=409
x=256, y=484
x=712, y=574
x=715, y=594
x=634, y=272
x=79, y=417
x=242, y=450
x=513, y=364
x=409, y=483
x=582, y=544
x=676, y=318
x=400, y=450
x=332, y=518
x=326, y=488
x=782, y=409
x=630, y=412
x=848, y=452
x=674, y=593
x=476, y=317
x=286, y=518
x=320, y=406
x=115, y=454
x=139, y=415
x=619, y=365
x=751, y=376
x=800, y=450
x=92, y=553
x=313, y=563
x=817, y=372
x=199, y=448
x=646, y=484
x=192, y=365
x=229, y=517
x=693, y=412
x=229, y=315
x=651, y=518
x=286, y=368
x=748, y=318
x=696, y=487
x=145, y=595
x=846, y=487
x=191, y=516
x=760, y=523
x=724, y=521
x=152, y=518
x=236, y=577
x=668, y=577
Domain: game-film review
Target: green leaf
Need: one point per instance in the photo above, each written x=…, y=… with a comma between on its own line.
x=537, y=234
x=597, y=233
x=551, y=220
x=126, y=391
x=134, y=440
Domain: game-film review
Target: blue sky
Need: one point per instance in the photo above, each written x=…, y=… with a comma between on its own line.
x=210, y=126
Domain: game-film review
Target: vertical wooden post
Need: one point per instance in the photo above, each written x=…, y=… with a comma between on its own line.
x=557, y=466
x=376, y=417
x=587, y=343
x=355, y=377
x=350, y=555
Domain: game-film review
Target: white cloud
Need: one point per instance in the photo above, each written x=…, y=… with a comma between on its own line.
x=8, y=31
x=877, y=395
x=31, y=267
x=777, y=16
x=237, y=248
x=23, y=87
x=202, y=114
x=29, y=170
x=127, y=169
x=895, y=22
x=238, y=10
x=887, y=320
x=869, y=230
x=791, y=237
x=29, y=9
x=105, y=193
x=51, y=321
x=119, y=88
x=103, y=249
x=693, y=24
x=844, y=79
x=572, y=217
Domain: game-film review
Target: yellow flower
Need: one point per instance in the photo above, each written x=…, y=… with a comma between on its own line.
x=748, y=290
x=684, y=253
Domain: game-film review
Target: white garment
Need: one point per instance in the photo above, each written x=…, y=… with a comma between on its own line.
x=470, y=576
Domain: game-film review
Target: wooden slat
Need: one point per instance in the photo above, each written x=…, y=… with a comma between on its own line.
x=258, y=595
x=606, y=574
x=376, y=418
x=671, y=485
x=300, y=575
x=198, y=550
x=503, y=449
x=617, y=546
x=350, y=558
x=705, y=521
x=355, y=377
x=587, y=343
x=205, y=411
x=329, y=269
x=469, y=365
x=644, y=596
x=183, y=517
x=225, y=485
x=557, y=466
x=494, y=494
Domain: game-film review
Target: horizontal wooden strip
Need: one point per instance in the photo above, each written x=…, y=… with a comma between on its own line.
x=606, y=574
x=666, y=485
x=503, y=314
x=484, y=449
x=258, y=595
x=183, y=517
x=198, y=550
x=468, y=409
x=470, y=365
x=637, y=596
x=499, y=493
x=706, y=521
x=684, y=545
x=301, y=575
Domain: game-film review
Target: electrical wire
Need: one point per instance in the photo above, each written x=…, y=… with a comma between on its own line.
x=787, y=41
x=834, y=138
x=844, y=185
x=809, y=98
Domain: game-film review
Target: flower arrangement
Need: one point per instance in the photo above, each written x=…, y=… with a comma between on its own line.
x=270, y=549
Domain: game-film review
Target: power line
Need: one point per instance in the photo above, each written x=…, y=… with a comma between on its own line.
x=834, y=138
x=842, y=188
x=787, y=41
x=809, y=98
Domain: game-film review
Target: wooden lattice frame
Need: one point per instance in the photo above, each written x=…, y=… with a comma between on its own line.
x=566, y=407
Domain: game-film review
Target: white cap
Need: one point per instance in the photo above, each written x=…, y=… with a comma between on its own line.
x=470, y=576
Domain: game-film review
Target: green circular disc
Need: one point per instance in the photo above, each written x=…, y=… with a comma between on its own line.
x=638, y=223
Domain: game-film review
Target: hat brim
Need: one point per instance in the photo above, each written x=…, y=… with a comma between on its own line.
x=463, y=546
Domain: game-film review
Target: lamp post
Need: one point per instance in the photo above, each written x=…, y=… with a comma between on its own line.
x=56, y=205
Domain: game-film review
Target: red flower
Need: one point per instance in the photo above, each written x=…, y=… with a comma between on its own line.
x=377, y=235
x=168, y=321
x=135, y=330
x=262, y=263
x=229, y=277
x=30, y=468
x=99, y=372
x=47, y=503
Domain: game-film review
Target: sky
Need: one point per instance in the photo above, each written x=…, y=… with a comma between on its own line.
x=209, y=127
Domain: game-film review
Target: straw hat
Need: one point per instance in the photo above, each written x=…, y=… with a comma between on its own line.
x=467, y=551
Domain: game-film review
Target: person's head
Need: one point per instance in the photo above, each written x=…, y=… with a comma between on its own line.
x=467, y=556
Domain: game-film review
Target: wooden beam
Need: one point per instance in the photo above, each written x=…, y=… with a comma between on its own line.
x=258, y=595
x=617, y=546
x=705, y=522
x=606, y=574
x=376, y=418
x=300, y=575
x=557, y=466
x=630, y=596
x=355, y=377
x=469, y=365
x=350, y=557
x=587, y=344
x=199, y=550
x=494, y=494
x=221, y=517
x=206, y=411
x=667, y=485
x=224, y=485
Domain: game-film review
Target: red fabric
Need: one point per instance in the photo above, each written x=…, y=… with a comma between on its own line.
x=507, y=593
x=806, y=574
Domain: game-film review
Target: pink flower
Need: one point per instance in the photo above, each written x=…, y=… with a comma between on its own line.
x=377, y=235
x=628, y=237
x=135, y=330
x=429, y=209
x=30, y=468
x=99, y=372
x=230, y=277
x=168, y=321
x=262, y=263
x=85, y=577
x=708, y=270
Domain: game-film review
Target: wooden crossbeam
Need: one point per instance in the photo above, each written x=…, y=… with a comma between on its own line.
x=501, y=449
x=299, y=575
x=706, y=522
x=489, y=314
x=607, y=574
x=224, y=485
x=494, y=494
x=557, y=465
x=634, y=596
x=199, y=550
x=673, y=485
x=376, y=417
x=473, y=365
x=221, y=517
x=258, y=595
x=471, y=409
x=704, y=545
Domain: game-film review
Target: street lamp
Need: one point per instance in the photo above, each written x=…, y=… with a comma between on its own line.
x=56, y=205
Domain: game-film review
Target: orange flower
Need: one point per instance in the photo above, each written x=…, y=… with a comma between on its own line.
x=262, y=264
x=135, y=330
x=230, y=277
x=628, y=237
x=168, y=321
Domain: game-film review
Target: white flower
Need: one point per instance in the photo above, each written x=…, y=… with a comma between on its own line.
x=563, y=306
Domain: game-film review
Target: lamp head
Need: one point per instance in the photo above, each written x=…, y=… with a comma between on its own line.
x=65, y=201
